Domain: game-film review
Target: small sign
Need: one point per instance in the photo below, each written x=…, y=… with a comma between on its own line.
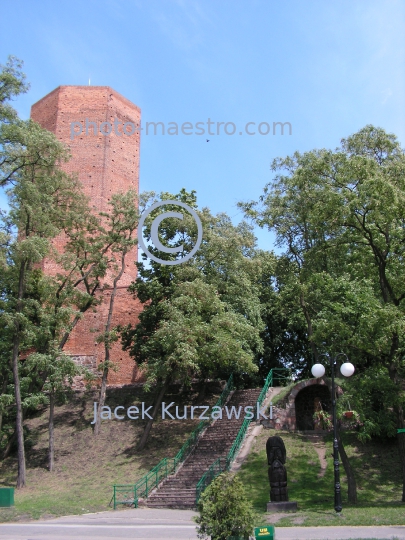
x=265, y=532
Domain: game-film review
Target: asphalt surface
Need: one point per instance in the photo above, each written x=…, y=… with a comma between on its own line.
x=162, y=524
x=139, y=524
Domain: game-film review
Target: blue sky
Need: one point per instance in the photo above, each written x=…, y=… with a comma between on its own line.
x=327, y=67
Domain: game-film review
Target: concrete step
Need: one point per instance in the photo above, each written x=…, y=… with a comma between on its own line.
x=178, y=504
x=179, y=491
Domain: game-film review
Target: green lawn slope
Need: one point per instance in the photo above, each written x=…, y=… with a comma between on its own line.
x=86, y=467
x=378, y=475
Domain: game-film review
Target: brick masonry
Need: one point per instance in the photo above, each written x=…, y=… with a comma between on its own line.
x=284, y=414
x=104, y=165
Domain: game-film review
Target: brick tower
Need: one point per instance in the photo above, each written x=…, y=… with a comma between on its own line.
x=106, y=163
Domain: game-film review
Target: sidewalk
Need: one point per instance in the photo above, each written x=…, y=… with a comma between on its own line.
x=339, y=533
x=166, y=524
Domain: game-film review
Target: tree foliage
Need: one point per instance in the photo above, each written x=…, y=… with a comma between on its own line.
x=45, y=290
x=201, y=318
x=225, y=510
x=340, y=217
x=175, y=295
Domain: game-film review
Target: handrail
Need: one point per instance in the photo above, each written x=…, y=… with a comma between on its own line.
x=220, y=465
x=224, y=463
x=269, y=381
x=131, y=493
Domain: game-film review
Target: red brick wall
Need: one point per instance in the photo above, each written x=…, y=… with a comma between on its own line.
x=105, y=165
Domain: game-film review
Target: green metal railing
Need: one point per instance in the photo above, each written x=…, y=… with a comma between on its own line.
x=224, y=463
x=129, y=494
x=219, y=466
x=192, y=440
x=274, y=373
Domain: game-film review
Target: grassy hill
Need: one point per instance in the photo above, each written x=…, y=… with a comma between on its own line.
x=86, y=467
x=378, y=475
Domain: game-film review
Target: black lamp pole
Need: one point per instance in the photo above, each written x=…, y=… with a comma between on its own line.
x=338, y=495
x=347, y=370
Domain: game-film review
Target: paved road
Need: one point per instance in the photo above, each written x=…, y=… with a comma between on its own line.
x=139, y=524
x=155, y=524
x=339, y=533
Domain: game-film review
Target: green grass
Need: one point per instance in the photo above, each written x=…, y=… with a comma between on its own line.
x=286, y=390
x=87, y=467
x=378, y=476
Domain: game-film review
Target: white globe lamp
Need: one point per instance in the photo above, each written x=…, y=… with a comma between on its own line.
x=347, y=369
x=318, y=370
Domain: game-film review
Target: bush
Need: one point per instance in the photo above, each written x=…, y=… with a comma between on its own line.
x=225, y=510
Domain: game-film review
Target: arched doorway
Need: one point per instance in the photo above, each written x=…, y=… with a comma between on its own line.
x=307, y=401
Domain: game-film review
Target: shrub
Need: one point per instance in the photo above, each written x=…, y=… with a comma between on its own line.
x=225, y=510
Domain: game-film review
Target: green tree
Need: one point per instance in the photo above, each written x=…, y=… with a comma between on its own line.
x=12, y=133
x=17, y=148
x=38, y=312
x=42, y=200
x=225, y=510
x=12, y=84
x=95, y=246
x=340, y=216
x=373, y=397
x=120, y=233
x=285, y=337
x=60, y=370
x=182, y=335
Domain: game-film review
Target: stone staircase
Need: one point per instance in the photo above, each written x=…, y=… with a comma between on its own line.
x=179, y=490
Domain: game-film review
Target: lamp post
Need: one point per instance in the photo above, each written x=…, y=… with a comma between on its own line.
x=347, y=369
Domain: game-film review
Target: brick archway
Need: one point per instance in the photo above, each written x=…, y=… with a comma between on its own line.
x=305, y=405
x=287, y=418
x=291, y=405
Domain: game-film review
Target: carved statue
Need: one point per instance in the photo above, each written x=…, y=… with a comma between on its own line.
x=276, y=456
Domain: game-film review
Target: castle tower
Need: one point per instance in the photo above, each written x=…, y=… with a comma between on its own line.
x=106, y=163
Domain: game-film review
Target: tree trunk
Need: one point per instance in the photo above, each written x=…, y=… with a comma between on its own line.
x=103, y=389
x=351, y=480
x=78, y=318
x=21, y=476
x=9, y=445
x=51, y=450
x=401, y=446
x=399, y=411
x=101, y=398
x=19, y=420
x=3, y=391
x=202, y=390
x=309, y=327
x=149, y=423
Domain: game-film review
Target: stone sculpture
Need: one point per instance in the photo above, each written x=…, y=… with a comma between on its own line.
x=276, y=457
